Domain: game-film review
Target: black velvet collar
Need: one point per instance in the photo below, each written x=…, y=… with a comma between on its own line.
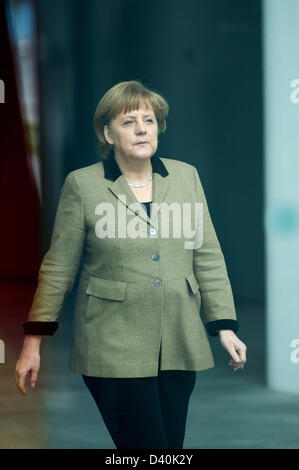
x=112, y=170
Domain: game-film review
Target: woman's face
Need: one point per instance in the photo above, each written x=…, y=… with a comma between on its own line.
x=134, y=134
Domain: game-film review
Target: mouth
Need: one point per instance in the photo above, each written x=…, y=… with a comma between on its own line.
x=141, y=143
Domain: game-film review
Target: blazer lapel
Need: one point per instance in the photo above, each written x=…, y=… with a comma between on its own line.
x=119, y=187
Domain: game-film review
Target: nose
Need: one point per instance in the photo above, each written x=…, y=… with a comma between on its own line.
x=140, y=127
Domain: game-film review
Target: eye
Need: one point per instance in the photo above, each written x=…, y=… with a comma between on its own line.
x=129, y=122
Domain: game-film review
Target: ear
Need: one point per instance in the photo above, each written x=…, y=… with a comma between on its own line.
x=107, y=135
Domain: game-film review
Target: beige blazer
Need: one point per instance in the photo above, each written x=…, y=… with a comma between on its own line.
x=135, y=294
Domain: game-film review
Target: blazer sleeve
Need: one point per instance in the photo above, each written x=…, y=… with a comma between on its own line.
x=211, y=274
x=60, y=264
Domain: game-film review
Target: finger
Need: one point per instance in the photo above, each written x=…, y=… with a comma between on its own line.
x=242, y=351
x=242, y=354
x=241, y=367
x=239, y=364
x=21, y=383
x=234, y=354
x=33, y=378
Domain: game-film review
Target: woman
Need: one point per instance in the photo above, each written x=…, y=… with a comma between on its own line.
x=138, y=338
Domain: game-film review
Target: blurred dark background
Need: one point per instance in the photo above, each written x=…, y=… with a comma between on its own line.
x=204, y=57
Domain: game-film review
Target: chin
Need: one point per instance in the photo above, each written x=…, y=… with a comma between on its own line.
x=144, y=154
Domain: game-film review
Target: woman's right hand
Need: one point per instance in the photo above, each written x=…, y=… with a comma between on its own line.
x=28, y=363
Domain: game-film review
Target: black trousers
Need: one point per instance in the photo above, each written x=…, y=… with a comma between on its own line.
x=146, y=412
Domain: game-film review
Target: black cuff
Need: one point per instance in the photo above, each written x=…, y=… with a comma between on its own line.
x=40, y=327
x=214, y=326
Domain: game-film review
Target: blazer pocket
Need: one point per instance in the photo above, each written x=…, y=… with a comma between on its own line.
x=195, y=292
x=106, y=288
x=193, y=284
x=104, y=298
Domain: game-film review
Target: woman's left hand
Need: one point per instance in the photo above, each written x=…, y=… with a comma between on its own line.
x=236, y=348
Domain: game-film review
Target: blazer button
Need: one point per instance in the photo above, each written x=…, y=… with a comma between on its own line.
x=157, y=282
x=155, y=257
x=153, y=231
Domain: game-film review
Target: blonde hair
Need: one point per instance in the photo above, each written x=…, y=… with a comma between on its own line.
x=125, y=97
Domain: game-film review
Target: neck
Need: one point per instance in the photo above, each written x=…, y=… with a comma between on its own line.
x=135, y=170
